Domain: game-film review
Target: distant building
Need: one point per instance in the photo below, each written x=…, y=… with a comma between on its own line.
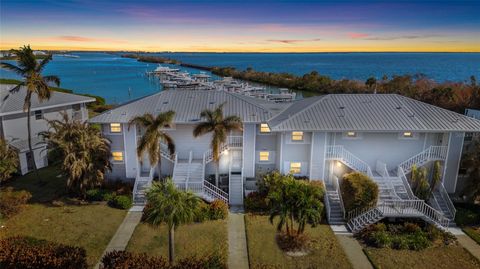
x=39, y=52
x=321, y=138
x=13, y=121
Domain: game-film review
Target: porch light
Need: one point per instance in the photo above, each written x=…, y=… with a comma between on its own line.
x=351, y=134
x=339, y=164
x=225, y=152
x=407, y=134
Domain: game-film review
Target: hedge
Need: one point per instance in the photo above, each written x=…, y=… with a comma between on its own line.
x=31, y=253
x=11, y=202
x=124, y=259
x=358, y=191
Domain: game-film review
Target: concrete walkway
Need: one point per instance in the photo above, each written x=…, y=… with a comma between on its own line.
x=124, y=232
x=354, y=252
x=466, y=242
x=237, y=240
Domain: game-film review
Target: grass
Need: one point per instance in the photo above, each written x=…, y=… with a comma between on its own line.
x=90, y=226
x=198, y=239
x=468, y=217
x=264, y=253
x=473, y=232
x=435, y=257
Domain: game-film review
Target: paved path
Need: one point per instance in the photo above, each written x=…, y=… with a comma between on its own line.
x=469, y=245
x=354, y=252
x=124, y=232
x=237, y=241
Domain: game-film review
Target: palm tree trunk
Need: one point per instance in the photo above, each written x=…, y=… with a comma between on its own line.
x=217, y=168
x=30, y=144
x=171, y=249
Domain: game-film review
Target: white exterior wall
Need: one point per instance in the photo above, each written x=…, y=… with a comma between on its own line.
x=15, y=125
x=130, y=151
x=452, y=164
x=249, y=136
x=318, y=148
x=186, y=142
x=117, y=141
x=296, y=151
x=390, y=148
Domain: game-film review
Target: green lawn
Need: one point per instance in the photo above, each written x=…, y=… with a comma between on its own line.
x=473, y=232
x=198, y=239
x=86, y=225
x=436, y=257
x=264, y=253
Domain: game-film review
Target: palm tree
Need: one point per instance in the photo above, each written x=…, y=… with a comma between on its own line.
x=31, y=70
x=83, y=153
x=8, y=160
x=154, y=134
x=219, y=126
x=167, y=204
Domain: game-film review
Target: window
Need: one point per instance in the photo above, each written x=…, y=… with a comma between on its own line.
x=117, y=156
x=295, y=168
x=264, y=156
x=264, y=128
x=351, y=134
x=38, y=115
x=115, y=128
x=297, y=136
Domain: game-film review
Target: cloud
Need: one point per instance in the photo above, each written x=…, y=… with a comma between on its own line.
x=70, y=38
x=293, y=41
x=358, y=35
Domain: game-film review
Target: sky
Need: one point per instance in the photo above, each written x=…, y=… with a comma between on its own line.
x=242, y=26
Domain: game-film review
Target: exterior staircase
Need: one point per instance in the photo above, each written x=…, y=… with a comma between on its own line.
x=442, y=202
x=235, y=189
x=432, y=153
x=143, y=181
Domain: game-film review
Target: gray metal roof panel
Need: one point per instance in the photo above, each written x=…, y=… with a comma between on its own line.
x=13, y=103
x=188, y=105
x=371, y=112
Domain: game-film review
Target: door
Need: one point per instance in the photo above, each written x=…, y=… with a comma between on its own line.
x=29, y=160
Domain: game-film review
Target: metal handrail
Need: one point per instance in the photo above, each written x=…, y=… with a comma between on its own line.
x=403, y=177
x=446, y=198
x=214, y=191
x=336, y=185
x=340, y=153
x=431, y=153
x=327, y=205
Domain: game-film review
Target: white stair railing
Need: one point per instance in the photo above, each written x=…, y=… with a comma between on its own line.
x=403, y=177
x=430, y=154
x=232, y=142
x=336, y=185
x=327, y=205
x=397, y=208
x=340, y=153
x=446, y=198
x=165, y=152
x=214, y=191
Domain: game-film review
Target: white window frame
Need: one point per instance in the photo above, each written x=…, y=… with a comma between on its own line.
x=264, y=133
x=299, y=168
x=260, y=156
x=38, y=114
x=117, y=161
x=110, y=128
x=357, y=135
x=298, y=134
x=414, y=136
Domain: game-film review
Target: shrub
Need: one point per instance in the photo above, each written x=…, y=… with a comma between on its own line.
x=256, y=202
x=11, y=202
x=418, y=241
x=358, y=191
x=218, y=210
x=31, y=253
x=123, y=259
x=292, y=242
x=121, y=202
x=8, y=161
x=95, y=194
x=202, y=212
x=119, y=187
x=380, y=239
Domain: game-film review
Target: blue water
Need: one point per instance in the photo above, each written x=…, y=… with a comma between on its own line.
x=121, y=79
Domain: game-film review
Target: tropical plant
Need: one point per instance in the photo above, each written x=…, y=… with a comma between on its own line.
x=84, y=153
x=154, y=135
x=295, y=201
x=358, y=191
x=167, y=204
x=471, y=161
x=36, y=84
x=420, y=186
x=219, y=126
x=370, y=82
x=8, y=160
x=436, y=176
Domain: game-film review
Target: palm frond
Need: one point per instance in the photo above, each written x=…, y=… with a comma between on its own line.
x=43, y=63
x=52, y=79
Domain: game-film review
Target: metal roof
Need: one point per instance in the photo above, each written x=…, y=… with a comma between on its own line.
x=188, y=105
x=11, y=103
x=369, y=112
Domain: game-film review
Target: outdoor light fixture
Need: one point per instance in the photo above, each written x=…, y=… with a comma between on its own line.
x=339, y=164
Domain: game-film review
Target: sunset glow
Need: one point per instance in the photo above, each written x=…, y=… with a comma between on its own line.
x=247, y=26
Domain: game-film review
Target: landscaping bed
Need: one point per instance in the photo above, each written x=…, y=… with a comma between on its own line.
x=264, y=252
x=413, y=245
x=196, y=239
x=51, y=215
x=468, y=217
